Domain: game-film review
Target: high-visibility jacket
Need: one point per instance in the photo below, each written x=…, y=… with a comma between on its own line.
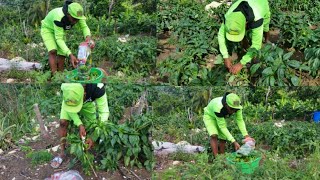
x=257, y=13
x=214, y=110
x=57, y=22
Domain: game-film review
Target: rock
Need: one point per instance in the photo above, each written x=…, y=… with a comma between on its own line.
x=54, y=124
x=12, y=152
x=10, y=80
x=120, y=74
x=212, y=5
x=123, y=38
x=1, y=151
x=35, y=137
x=14, y=178
x=26, y=138
x=175, y=163
x=21, y=141
x=183, y=143
x=168, y=147
x=18, y=63
x=17, y=59
x=55, y=149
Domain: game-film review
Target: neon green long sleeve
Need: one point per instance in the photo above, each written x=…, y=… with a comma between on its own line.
x=59, y=33
x=75, y=118
x=257, y=35
x=222, y=42
x=240, y=123
x=103, y=108
x=223, y=128
x=85, y=29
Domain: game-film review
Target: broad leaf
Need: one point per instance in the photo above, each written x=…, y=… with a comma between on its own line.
x=294, y=63
x=267, y=72
x=287, y=55
x=254, y=68
x=295, y=80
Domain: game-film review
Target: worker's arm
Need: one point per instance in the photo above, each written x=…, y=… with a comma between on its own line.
x=84, y=27
x=240, y=123
x=75, y=118
x=59, y=35
x=222, y=42
x=223, y=128
x=257, y=35
x=103, y=108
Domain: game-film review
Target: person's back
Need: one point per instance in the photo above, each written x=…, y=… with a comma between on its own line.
x=54, y=15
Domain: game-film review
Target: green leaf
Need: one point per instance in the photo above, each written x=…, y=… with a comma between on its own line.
x=219, y=60
x=272, y=81
x=144, y=138
x=294, y=63
x=133, y=140
x=132, y=162
x=119, y=155
x=231, y=78
x=254, y=68
x=126, y=160
x=267, y=72
x=113, y=141
x=287, y=55
x=295, y=80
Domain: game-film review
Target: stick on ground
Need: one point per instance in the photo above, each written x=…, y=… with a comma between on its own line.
x=44, y=133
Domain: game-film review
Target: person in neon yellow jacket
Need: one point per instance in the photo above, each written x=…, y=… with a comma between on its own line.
x=214, y=119
x=80, y=101
x=242, y=16
x=53, y=33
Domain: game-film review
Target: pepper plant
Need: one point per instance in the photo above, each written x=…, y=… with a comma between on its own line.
x=312, y=55
x=276, y=67
x=126, y=142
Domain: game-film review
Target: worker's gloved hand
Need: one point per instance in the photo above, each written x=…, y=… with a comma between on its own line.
x=227, y=62
x=236, y=145
x=73, y=60
x=235, y=69
x=82, y=131
x=90, y=42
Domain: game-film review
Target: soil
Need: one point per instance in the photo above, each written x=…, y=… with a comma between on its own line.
x=17, y=166
x=274, y=35
x=166, y=49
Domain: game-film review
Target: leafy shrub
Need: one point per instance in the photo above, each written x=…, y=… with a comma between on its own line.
x=276, y=67
x=312, y=55
x=39, y=157
x=135, y=56
x=128, y=142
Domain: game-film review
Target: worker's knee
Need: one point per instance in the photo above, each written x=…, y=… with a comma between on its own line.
x=53, y=52
x=63, y=123
x=214, y=137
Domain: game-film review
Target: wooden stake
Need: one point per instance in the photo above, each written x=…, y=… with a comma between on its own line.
x=43, y=131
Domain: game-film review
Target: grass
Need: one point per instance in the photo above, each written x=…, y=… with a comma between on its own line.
x=39, y=157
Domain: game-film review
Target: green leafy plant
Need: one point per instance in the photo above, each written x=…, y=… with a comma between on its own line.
x=312, y=55
x=39, y=157
x=127, y=142
x=276, y=67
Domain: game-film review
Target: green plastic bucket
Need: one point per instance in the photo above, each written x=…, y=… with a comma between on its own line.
x=244, y=167
x=74, y=73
